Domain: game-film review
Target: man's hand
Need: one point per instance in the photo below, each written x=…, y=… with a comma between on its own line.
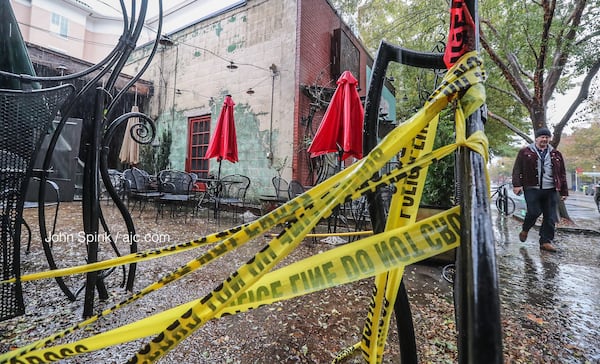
x=517, y=190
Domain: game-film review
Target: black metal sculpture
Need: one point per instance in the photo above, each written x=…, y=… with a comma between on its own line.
x=102, y=126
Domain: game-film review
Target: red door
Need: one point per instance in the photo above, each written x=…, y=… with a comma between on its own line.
x=198, y=138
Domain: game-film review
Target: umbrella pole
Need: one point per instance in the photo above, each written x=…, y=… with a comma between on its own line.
x=218, y=193
x=336, y=211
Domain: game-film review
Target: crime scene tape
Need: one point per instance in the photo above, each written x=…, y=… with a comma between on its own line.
x=300, y=214
x=386, y=286
x=341, y=265
x=186, y=269
x=402, y=212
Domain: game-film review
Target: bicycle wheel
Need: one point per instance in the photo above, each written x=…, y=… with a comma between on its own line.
x=506, y=206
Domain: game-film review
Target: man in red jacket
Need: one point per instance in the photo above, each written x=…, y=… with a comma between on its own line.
x=539, y=172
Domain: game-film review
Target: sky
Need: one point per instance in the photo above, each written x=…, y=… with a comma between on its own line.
x=113, y=7
x=201, y=10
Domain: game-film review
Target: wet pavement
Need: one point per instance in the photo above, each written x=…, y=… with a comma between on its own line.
x=562, y=287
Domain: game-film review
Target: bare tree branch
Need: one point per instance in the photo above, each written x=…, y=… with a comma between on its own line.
x=563, y=51
x=582, y=96
x=503, y=91
x=516, y=82
x=588, y=37
x=515, y=63
x=538, y=79
x=509, y=125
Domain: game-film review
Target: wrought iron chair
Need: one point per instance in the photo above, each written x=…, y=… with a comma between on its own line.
x=176, y=188
x=205, y=189
x=140, y=188
x=25, y=117
x=281, y=188
x=231, y=194
x=295, y=189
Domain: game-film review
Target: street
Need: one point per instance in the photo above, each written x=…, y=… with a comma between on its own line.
x=582, y=209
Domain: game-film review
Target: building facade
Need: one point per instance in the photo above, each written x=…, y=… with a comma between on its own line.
x=72, y=28
x=279, y=60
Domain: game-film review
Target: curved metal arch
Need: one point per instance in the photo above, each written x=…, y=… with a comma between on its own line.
x=110, y=132
x=476, y=284
x=113, y=63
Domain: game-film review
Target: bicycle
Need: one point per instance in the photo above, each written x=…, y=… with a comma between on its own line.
x=504, y=203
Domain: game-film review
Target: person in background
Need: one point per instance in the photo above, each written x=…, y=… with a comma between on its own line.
x=539, y=172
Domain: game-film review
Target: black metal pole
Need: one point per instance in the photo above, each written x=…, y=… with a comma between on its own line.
x=476, y=290
x=505, y=200
x=91, y=203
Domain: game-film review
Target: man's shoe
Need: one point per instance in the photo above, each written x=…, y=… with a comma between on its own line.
x=523, y=236
x=548, y=247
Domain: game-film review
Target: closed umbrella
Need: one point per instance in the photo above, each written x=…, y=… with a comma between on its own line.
x=223, y=144
x=130, y=149
x=341, y=129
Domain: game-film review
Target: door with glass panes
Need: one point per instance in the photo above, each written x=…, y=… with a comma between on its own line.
x=198, y=138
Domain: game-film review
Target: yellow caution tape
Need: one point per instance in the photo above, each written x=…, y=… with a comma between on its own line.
x=186, y=269
x=300, y=216
x=389, y=147
x=341, y=265
x=339, y=233
x=403, y=211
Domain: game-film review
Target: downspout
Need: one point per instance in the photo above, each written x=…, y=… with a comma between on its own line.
x=274, y=74
x=174, y=85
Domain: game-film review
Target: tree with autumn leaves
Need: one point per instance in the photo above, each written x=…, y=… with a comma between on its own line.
x=581, y=148
x=534, y=51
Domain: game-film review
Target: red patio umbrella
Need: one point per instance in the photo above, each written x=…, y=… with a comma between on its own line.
x=223, y=144
x=341, y=129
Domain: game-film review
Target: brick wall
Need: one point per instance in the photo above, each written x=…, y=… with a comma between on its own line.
x=317, y=21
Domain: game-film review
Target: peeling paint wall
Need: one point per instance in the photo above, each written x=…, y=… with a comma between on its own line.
x=191, y=79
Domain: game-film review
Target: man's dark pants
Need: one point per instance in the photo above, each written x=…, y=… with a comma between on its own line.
x=541, y=202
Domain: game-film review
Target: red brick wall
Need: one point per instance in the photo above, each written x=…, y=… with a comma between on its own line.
x=317, y=20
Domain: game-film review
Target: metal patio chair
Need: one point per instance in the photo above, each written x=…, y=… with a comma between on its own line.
x=143, y=188
x=25, y=117
x=231, y=194
x=176, y=188
x=295, y=189
x=281, y=188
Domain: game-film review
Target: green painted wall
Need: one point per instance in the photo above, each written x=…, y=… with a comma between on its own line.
x=253, y=146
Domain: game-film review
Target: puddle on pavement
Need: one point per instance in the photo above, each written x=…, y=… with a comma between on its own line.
x=564, y=285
